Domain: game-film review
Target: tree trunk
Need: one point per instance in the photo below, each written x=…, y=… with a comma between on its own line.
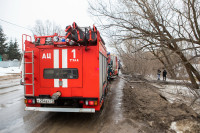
x=169, y=65
x=196, y=73
x=189, y=69
x=192, y=79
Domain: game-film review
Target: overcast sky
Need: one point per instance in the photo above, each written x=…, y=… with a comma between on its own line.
x=26, y=12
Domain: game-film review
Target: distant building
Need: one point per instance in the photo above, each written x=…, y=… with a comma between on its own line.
x=1, y=58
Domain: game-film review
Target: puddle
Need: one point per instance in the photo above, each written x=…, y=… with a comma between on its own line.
x=117, y=101
x=12, y=102
x=15, y=124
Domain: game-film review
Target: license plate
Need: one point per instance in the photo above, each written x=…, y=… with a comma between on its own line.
x=45, y=101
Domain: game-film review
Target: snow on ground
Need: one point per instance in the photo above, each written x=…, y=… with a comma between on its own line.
x=9, y=71
x=184, y=126
x=154, y=77
x=151, y=77
x=177, y=93
x=178, y=90
x=181, y=94
x=178, y=81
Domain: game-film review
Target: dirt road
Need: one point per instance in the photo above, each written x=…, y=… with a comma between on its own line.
x=129, y=107
x=13, y=118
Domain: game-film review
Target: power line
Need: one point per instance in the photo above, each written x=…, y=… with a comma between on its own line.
x=15, y=24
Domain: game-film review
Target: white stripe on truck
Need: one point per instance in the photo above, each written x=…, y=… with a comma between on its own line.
x=64, y=65
x=56, y=65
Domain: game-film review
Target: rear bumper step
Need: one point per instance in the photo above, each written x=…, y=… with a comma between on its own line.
x=81, y=110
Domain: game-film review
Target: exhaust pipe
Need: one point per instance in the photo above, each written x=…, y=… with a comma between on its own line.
x=56, y=95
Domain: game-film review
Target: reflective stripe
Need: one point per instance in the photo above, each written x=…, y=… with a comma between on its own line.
x=64, y=65
x=56, y=65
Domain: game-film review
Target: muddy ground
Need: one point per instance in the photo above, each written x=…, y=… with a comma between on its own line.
x=150, y=112
x=135, y=107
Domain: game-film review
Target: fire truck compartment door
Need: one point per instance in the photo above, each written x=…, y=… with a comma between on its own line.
x=61, y=68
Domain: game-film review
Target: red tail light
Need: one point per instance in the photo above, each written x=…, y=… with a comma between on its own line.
x=81, y=101
x=29, y=101
x=91, y=103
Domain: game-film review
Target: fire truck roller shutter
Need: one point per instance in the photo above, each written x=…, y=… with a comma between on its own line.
x=102, y=73
x=105, y=72
x=114, y=62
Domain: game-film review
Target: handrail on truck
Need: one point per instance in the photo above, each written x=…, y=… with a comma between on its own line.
x=26, y=38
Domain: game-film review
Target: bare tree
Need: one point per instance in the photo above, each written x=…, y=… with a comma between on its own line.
x=141, y=62
x=167, y=58
x=155, y=24
x=46, y=28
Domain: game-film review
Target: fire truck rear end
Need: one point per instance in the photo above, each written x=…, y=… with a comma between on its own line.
x=113, y=66
x=65, y=73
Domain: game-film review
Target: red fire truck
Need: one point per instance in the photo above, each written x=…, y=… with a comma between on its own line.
x=113, y=65
x=65, y=73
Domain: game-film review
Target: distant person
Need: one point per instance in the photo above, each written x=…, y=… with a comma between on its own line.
x=158, y=74
x=164, y=75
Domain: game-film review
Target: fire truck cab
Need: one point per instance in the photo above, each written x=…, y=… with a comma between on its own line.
x=65, y=73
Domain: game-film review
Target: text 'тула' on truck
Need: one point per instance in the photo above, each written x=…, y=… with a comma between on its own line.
x=65, y=73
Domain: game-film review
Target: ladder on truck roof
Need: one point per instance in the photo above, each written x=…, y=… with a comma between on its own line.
x=32, y=73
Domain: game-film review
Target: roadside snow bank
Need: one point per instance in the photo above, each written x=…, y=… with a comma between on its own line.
x=178, y=90
x=186, y=125
x=9, y=71
x=154, y=78
x=181, y=94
